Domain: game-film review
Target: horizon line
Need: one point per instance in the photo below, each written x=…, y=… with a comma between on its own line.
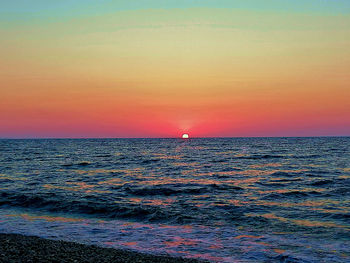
x=179, y=137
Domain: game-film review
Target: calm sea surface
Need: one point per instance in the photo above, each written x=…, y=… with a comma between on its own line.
x=225, y=200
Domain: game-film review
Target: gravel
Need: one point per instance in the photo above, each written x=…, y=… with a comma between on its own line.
x=19, y=248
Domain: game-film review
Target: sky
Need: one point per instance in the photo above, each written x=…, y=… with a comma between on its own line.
x=148, y=68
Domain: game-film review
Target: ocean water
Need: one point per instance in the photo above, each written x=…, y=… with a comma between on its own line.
x=220, y=199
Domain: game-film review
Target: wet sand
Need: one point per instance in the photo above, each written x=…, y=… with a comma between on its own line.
x=19, y=248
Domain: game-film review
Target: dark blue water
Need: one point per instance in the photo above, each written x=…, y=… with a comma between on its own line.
x=223, y=199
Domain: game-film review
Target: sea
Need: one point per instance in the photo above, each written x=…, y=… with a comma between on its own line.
x=217, y=199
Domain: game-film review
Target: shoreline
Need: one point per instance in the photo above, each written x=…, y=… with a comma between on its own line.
x=21, y=248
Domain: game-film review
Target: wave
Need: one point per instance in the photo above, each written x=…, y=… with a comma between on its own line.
x=292, y=194
x=289, y=259
x=29, y=200
x=322, y=182
x=226, y=187
x=287, y=180
x=167, y=191
x=260, y=156
x=111, y=207
x=148, y=161
x=345, y=216
x=273, y=184
x=104, y=155
x=219, y=160
x=285, y=174
x=55, y=203
x=83, y=163
x=309, y=156
x=341, y=190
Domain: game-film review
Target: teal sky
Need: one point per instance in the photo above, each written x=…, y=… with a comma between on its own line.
x=25, y=8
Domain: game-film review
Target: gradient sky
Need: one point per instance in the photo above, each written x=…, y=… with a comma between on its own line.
x=160, y=68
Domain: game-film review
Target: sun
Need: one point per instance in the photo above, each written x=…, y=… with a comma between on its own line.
x=185, y=136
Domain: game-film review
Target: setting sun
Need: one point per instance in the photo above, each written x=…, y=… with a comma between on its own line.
x=185, y=136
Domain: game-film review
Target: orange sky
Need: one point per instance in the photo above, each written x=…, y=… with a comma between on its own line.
x=161, y=72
